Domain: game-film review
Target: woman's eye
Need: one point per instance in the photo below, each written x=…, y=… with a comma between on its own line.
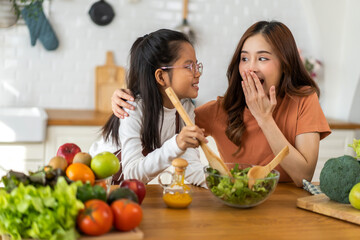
x=244, y=59
x=263, y=59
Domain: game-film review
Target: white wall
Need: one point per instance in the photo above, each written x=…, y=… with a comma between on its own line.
x=339, y=37
x=32, y=76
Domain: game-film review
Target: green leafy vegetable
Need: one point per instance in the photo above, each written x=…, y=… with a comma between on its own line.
x=338, y=176
x=45, y=176
x=356, y=147
x=13, y=179
x=237, y=191
x=40, y=212
x=87, y=192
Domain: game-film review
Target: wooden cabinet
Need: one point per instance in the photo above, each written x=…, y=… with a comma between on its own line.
x=22, y=157
x=83, y=136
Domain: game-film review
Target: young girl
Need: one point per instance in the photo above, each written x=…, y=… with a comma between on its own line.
x=271, y=101
x=148, y=139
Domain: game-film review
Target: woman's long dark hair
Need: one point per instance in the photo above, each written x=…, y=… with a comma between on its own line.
x=148, y=53
x=293, y=79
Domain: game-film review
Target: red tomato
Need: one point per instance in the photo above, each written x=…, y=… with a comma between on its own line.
x=96, y=219
x=127, y=214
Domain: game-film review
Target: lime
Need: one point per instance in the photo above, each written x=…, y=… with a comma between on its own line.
x=354, y=196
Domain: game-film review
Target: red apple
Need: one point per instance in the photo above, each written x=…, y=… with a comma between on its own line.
x=137, y=186
x=68, y=151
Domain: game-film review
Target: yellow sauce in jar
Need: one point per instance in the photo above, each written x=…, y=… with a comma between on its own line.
x=177, y=200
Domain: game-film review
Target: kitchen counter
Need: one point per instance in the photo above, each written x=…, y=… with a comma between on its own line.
x=66, y=117
x=94, y=118
x=208, y=218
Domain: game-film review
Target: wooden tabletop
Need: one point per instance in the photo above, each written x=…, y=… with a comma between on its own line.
x=95, y=118
x=207, y=218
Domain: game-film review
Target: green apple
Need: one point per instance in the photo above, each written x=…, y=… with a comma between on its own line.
x=104, y=165
x=354, y=196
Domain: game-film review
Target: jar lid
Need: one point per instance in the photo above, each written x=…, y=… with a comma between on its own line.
x=179, y=163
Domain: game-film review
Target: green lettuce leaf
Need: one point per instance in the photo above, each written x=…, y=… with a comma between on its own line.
x=40, y=212
x=356, y=147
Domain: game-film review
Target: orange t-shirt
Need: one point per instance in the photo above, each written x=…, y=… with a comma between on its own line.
x=293, y=115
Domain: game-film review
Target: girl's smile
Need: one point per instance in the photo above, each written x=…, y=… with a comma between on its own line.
x=184, y=75
x=196, y=85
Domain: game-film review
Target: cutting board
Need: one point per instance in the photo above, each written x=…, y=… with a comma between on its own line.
x=322, y=204
x=133, y=234
x=108, y=78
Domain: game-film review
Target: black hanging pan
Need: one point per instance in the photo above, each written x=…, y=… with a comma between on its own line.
x=101, y=13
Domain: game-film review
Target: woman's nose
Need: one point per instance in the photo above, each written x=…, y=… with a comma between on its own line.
x=253, y=66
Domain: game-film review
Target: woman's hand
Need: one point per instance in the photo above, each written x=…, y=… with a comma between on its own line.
x=260, y=105
x=118, y=102
x=190, y=137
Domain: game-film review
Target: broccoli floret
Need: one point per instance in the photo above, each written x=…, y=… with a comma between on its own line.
x=338, y=176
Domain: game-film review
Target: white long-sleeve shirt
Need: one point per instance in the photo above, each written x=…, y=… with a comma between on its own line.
x=145, y=168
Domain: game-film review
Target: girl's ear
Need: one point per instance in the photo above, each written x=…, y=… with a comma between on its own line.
x=159, y=76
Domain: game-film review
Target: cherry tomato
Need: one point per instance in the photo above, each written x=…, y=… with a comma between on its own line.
x=96, y=219
x=127, y=214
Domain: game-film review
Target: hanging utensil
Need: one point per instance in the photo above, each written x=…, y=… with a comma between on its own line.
x=8, y=16
x=101, y=13
x=185, y=27
x=214, y=161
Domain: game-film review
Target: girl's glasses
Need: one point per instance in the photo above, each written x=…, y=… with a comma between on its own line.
x=193, y=67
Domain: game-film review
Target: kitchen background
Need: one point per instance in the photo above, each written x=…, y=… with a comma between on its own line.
x=327, y=30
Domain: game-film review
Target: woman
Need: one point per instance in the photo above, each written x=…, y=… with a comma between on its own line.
x=271, y=101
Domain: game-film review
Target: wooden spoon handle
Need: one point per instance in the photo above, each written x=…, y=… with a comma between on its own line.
x=177, y=104
x=185, y=8
x=214, y=161
x=279, y=157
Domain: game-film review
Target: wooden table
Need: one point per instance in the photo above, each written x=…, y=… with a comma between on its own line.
x=207, y=218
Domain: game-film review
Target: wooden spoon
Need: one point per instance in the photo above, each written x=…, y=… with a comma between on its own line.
x=214, y=161
x=258, y=172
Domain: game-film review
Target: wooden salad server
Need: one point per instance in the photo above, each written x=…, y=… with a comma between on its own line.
x=258, y=172
x=214, y=161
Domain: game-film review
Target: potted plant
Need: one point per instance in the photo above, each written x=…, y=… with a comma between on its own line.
x=18, y=4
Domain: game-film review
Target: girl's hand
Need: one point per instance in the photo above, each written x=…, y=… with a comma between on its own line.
x=260, y=105
x=118, y=102
x=190, y=137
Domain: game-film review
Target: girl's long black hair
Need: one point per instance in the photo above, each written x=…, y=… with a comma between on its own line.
x=148, y=53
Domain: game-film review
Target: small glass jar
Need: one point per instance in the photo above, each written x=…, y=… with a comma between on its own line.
x=105, y=183
x=176, y=194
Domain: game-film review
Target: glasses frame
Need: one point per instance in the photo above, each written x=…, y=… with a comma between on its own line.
x=197, y=69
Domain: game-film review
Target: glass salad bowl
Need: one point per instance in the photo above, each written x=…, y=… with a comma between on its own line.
x=233, y=191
